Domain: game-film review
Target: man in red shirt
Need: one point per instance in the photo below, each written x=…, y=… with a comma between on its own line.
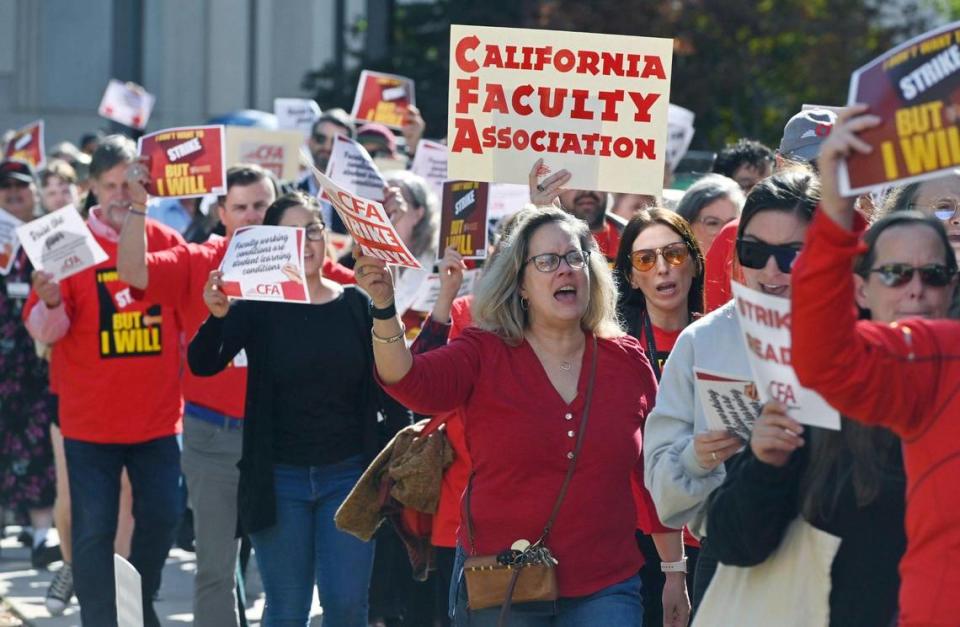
x=117, y=361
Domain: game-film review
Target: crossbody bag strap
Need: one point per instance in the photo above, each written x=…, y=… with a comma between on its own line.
x=651, y=344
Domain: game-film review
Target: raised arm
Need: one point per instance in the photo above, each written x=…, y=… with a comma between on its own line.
x=132, y=246
x=223, y=335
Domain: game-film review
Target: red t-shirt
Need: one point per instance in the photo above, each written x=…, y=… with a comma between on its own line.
x=608, y=240
x=117, y=369
x=520, y=432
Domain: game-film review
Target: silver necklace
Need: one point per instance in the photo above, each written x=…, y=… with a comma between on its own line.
x=565, y=365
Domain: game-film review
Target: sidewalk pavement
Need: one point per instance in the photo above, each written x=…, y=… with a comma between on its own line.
x=22, y=590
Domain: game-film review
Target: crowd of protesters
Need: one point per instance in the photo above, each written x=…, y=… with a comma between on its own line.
x=259, y=419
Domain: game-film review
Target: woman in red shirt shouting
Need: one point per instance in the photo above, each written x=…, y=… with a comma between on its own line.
x=545, y=320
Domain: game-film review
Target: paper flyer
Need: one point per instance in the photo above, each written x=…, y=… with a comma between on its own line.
x=129, y=593
x=185, y=162
x=429, y=291
x=430, y=162
x=265, y=263
x=729, y=404
x=9, y=242
x=351, y=167
x=368, y=223
x=915, y=90
x=463, y=218
x=27, y=145
x=765, y=324
x=296, y=114
x=679, y=134
x=276, y=151
x=127, y=103
x=596, y=105
x=382, y=98
x=60, y=243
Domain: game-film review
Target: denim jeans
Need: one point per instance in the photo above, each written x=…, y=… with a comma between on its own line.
x=620, y=604
x=304, y=547
x=94, y=469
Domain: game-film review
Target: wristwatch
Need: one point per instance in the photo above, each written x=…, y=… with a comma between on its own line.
x=674, y=567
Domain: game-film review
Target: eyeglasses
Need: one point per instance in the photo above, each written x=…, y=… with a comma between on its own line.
x=674, y=254
x=548, y=262
x=713, y=224
x=755, y=255
x=944, y=209
x=314, y=232
x=898, y=274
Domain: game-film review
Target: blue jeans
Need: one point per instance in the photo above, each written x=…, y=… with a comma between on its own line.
x=620, y=604
x=94, y=469
x=305, y=546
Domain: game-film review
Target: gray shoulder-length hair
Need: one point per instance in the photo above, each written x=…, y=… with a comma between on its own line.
x=496, y=306
x=424, y=231
x=706, y=190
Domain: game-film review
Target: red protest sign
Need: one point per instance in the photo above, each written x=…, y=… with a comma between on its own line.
x=368, y=223
x=915, y=89
x=463, y=218
x=27, y=145
x=185, y=162
x=596, y=105
x=382, y=98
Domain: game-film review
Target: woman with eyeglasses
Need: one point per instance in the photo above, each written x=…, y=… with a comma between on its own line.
x=903, y=376
x=311, y=427
x=545, y=364
x=659, y=267
x=849, y=483
x=684, y=460
x=938, y=197
x=709, y=204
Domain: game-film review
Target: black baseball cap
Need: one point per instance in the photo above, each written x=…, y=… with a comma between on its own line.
x=17, y=170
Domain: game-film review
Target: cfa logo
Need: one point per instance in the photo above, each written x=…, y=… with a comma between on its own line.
x=267, y=289
x=70, y=262
x=264, y=152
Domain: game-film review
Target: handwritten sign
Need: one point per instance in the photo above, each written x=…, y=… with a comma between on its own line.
x=382, y=98
x=351, y=167
x=60, y=243
x=914, y=90
x=276, y=151
x=463, y=218
x=593, y=104
x=265, y=263
x=127, y=103
x=185, y=162
x=368, y=223
x=9, y=242
x=297, y=114
x=430, y=162
x=729, y=404
x=27, y=145
x=765, y=323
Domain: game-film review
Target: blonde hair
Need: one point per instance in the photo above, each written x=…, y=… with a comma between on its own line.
x=496, y=306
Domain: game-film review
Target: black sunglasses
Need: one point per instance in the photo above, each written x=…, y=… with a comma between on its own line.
x=897, y=274
x=755, y=255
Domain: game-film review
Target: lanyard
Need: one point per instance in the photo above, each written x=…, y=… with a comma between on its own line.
x=651, y=345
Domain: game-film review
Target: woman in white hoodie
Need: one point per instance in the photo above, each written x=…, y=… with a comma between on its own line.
x=684, y=460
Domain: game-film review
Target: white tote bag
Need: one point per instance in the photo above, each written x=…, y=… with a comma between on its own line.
x=790, y=589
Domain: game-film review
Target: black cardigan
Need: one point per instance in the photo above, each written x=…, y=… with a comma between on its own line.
x=217, y=343
x=748, y=515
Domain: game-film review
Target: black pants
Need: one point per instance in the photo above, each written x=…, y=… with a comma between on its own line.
x=706, y=567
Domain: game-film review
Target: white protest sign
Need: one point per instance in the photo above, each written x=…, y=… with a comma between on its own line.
x=276, y=151
x=266, y=263
x=593, y=104
x=60, y=243
x=429, y=290
x=351, y=167
x=765, y=323
x=127, y=103
x=506, y=199
x=9, y=242
x=129, y=593
x=368, y=223
x=296, y=114
x=729, y=403
x=679, y=134
x=430, y=162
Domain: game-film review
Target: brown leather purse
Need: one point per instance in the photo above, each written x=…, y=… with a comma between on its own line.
x=521, y=574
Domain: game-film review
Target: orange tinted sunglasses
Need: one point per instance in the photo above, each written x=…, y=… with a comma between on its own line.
x=674, y=254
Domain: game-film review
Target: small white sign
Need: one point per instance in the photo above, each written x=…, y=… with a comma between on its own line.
x=129, y=593
x=296, y=114
x=351, y=167
x=429, y=290
x=9, y=242
x=127, y=103
x=266, y=263
x=430, y=162
x=60, y=243
x=729, y=403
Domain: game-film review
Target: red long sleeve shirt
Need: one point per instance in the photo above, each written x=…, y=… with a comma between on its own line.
x=904, y=376
x=519, y=432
